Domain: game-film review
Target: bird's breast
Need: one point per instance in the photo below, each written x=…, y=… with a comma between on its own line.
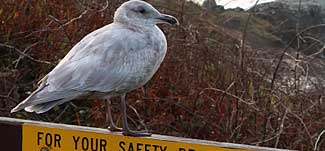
x=147, y=60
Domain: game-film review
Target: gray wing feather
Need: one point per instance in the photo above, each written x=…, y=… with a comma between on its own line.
x=101, y=64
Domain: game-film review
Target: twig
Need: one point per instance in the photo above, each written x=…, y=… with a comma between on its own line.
x=25, y=55
x=60, y=115
x=232, y=95
x=177, y=104
x=281, y=128
x=236, y=129
x=25, y=51
x=76, y=18
x=301, y=121
x=296, y=82
x=138, y=115
x=132, y=120
x=88, y=8
x=318, y=139
x=228, y=88
x=267, y=139
x=320, y=50
x=62, y=27
x=243, y=42
x=8, y=97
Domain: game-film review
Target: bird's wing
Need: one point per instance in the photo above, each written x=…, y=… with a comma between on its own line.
x=99, y=62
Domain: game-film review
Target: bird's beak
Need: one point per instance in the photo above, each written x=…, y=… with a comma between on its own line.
x=164, y=18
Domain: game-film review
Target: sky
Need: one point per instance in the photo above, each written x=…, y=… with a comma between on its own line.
x=245, y=4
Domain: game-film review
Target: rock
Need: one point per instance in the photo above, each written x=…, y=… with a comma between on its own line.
x=211, y=5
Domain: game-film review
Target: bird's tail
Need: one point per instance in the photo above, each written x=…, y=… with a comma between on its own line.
x=41, y=107
x=44, y=107
x=24, y=103
x=42, y=100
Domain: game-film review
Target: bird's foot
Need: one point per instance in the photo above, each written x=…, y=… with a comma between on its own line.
x=142, y=133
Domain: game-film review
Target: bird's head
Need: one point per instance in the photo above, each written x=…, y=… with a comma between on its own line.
x=137, y=12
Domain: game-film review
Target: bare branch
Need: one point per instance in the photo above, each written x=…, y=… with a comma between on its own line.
x=318, y=139
x=25, y=55
x=232, y=95
x=281, y=128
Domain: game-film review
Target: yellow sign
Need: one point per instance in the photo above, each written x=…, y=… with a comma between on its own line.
x=36, y=138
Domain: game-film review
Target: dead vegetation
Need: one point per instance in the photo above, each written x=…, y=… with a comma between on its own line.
x=207, y=87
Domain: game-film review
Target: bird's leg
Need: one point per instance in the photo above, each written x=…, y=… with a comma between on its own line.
x=109, y=118
x=126, y=130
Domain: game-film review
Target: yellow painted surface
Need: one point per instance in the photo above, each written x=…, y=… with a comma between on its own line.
x=36, y=138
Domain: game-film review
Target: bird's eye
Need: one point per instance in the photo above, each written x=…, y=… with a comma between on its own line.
x=140, y=10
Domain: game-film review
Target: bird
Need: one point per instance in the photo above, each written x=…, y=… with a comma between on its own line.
x=108, y=62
